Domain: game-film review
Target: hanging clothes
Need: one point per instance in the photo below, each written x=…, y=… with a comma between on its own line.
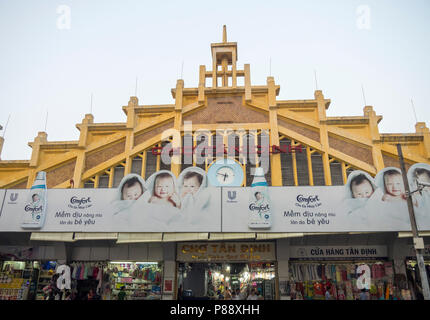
x=81, y=272
x=99, y=277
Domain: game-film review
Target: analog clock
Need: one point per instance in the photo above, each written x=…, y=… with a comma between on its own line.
x=225, y=173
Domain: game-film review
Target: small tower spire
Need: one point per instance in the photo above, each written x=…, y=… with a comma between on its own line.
x=224, y=33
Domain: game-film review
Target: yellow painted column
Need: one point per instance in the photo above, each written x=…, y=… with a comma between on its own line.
x=421, y=128
x=143, y=169
x=275, y=159
x=294, y=161
x=202, y=84
x=309, y=158
x=133, y=103
x=224, y=64
x=80, y=159
x=214, y=73
x=344, y=175
x=177, y=141
x=41, y=138
x=234, y=71
x=319, y=97
x=378, y=160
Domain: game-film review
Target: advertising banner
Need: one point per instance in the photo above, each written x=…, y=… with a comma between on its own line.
x=161, y=204
x=225, y=251
x=192, y=203
x=336, y=252
x=362, y=204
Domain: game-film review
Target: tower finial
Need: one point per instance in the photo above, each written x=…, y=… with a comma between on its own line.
x=224, y=33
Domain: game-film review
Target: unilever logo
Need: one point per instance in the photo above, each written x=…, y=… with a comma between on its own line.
x=231, y=196
x=13, y=196
x=311, y=201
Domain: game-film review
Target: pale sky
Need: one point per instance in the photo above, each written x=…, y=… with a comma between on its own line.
x=380, y=44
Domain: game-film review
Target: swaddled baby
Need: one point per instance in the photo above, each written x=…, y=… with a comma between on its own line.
x=360, y=192
x=419, y=179
x=130, y=189
x=195, y=196
x=389, y=209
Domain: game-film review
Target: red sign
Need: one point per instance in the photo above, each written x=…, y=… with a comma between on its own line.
x=168, y=285
x=223, y=150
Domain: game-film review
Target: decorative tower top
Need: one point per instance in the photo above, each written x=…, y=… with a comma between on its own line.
x=224, y=54
x=224, y=33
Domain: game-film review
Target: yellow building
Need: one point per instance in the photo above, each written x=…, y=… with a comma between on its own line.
x=228, y=104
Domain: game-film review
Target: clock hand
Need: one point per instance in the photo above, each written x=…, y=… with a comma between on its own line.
x=225, y=176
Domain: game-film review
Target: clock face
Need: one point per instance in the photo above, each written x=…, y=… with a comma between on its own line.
x=225, y=175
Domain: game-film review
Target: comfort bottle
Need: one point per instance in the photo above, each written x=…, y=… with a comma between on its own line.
x=259, y=216
x=35, y=206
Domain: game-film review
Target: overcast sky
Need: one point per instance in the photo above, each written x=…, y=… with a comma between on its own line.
x=49, y=63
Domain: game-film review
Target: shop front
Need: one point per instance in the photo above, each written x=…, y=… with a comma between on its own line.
x=413, y=273
x=341, y=273
x=227, y=270
x=81, y=272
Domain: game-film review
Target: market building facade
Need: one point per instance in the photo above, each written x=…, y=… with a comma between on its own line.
x=307, y=148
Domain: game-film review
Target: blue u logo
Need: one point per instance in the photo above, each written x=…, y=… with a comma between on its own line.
x=231, y=195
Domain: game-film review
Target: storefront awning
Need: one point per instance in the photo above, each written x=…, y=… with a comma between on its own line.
x=410, y=235
x=136, y=237
x=192, y=236
x=96, y=235
x=267, y=236
x=231, y=236
x=52, y=236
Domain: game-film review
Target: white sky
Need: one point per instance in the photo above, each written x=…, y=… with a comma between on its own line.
x=110, y=43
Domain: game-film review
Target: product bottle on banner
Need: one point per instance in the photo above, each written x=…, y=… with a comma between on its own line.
x=260, y=216
x=35, y=209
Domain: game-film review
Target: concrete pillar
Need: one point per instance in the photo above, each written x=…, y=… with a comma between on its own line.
x=80, y=160
x=421, y=128
x=177, y=143
x=202, y=84
x=319, y=97
x=247, y=70
x=129, y=140
x=275, y=159
x=283, y=257
x=169, y=272
x=41, y=138
x=378, y=160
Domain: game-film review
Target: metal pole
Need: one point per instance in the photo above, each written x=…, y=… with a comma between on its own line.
x=418, y=242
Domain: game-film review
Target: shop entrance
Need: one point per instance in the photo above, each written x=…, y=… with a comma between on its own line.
x=414, y=278
x=310, y=280
x=226, y=281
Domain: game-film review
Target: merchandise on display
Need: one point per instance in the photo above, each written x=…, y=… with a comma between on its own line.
x=311, y=281
x=226, y=281
x=17, y=280
x=87, y=280
x=46, y=272
x=141, y=280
